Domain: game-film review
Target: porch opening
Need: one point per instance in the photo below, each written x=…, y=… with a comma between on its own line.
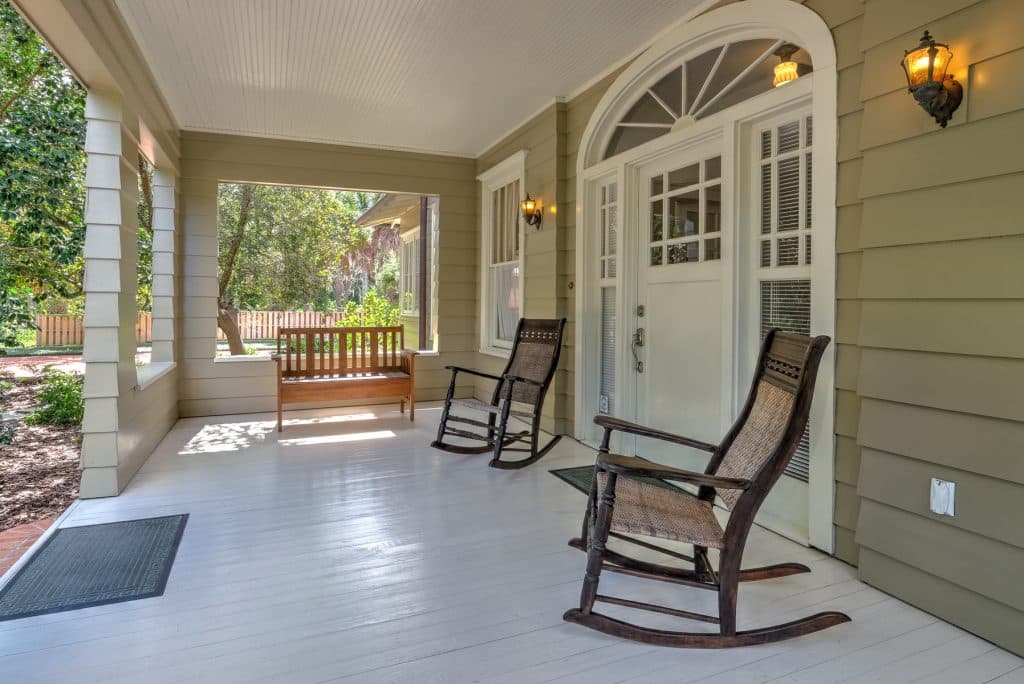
x=315, y=257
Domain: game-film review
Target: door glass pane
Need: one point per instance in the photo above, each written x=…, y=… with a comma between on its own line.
x=789, y=194
x=683, y=253
x=713, y=249
x=713, y=168
x=656, y=256
x=684, y=177
x=684, y=214
x=713, y=209
x=789, y=137
x=657, y=228
x=613, y=220
x=789, y=251
x=657, y=185
x=766, y=199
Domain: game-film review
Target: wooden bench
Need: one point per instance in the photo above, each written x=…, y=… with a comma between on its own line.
x=327, y=364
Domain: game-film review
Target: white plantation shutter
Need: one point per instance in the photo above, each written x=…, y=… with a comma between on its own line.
x=786, y=304
x=607, y=390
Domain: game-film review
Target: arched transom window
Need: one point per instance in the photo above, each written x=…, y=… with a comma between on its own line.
x=704, y=85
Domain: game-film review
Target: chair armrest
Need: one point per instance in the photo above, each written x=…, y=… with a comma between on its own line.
x=631, y=465
x=277, y=357
x=610, y=423
x=519, y=378
x=410, y=352
x=460, y=369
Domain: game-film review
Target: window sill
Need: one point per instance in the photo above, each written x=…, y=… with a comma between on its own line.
x=149, y=373
x=500, y=352
x=242, y=358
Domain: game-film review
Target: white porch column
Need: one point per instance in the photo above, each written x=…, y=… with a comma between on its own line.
x=111, y=259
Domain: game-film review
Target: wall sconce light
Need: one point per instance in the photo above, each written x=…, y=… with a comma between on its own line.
x=532, y=211
x=937, y=92
x=787, y=71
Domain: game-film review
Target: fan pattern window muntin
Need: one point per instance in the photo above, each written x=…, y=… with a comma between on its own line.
x=697, y=88
x=685, y=206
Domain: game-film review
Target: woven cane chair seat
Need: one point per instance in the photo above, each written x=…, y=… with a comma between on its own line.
x=643, y=508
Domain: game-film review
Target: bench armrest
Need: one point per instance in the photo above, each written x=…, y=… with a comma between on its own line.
x=631, y=465
x=609, y=423
x=460, y=369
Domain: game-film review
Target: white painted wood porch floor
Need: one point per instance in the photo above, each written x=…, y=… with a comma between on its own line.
x=348, y=549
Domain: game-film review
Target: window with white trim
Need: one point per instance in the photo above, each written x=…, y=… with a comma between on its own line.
x=409, y=267
x=609, y=202
x=501, y=299
x=784, y=242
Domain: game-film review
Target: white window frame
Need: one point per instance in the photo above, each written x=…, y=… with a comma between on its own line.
x=410, y=251
x=498, y=176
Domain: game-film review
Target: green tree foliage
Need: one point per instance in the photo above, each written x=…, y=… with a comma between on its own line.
x=286, y=248
x=42, y=169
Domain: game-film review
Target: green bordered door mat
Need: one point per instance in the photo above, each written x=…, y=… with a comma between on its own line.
x=92, y=565
x=581, y=478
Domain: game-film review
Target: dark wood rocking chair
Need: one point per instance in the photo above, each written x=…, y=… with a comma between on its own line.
x=741, y=471
x=519, y=392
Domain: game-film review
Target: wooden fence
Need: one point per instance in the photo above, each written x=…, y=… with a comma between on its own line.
x=62, y=331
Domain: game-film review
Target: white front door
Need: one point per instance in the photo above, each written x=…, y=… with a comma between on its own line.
x=676, y=339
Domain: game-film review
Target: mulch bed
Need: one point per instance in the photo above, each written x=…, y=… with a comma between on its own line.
x=39, y=472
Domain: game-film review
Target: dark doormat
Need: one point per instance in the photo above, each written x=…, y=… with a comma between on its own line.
x=581, y=478
x=92, y=565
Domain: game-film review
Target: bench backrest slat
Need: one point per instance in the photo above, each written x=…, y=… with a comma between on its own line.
x=331, y=352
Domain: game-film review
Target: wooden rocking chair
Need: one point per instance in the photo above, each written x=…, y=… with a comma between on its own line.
x=523, y=383
x=742, y=470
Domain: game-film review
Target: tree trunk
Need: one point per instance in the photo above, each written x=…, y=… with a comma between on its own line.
x=227, y=314
x=227, y=320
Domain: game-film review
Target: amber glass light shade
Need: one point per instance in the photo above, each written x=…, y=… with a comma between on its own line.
x=786, y=72
x=927, y=63
x=531, y=210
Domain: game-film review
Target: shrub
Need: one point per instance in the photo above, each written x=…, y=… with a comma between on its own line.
x=60, y=400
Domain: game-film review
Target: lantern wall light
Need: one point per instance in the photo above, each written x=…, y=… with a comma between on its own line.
x=788, y=70
x=532, y=211
x=935, y=90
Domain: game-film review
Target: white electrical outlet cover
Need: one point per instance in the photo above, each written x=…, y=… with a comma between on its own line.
x=943, y=497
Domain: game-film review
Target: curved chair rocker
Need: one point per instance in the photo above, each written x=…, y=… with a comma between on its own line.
x=742, y=470
x=524, y=382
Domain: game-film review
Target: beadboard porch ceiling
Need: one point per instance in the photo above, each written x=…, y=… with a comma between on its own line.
x=443, y=76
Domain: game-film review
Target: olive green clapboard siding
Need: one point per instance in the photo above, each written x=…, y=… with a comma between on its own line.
x=942, y=318
x=220, y=387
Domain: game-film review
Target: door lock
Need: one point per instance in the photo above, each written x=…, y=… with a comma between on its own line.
x=638, y=341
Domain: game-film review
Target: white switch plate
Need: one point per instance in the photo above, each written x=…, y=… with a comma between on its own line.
x=943, y=496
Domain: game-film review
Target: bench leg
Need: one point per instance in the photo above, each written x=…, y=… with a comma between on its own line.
x=401, y=406
x=279, y=428
x=412, y=407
